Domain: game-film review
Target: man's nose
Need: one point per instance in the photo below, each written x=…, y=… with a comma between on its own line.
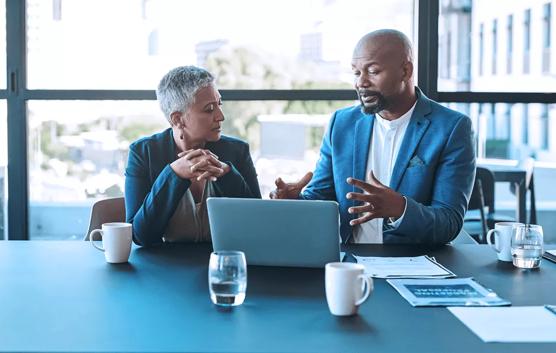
x=363, y=81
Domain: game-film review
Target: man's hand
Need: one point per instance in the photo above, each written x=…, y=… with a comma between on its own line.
x=378, y=201
x=290, y=190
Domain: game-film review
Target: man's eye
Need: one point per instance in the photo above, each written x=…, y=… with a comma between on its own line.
x=356, y=73
x=372, y=72
x=210, y=108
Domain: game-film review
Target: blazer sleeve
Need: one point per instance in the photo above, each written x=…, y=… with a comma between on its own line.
x=241, y=180
x=321, y=186
x=441, y=222
x=150, y=207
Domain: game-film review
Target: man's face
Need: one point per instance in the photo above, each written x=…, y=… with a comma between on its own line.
x=378, y=76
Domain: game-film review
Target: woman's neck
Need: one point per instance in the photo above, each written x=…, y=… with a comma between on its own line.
x=186, y=143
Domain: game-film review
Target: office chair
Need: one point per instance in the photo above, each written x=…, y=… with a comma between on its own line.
x=104, y=211
x=477, y=228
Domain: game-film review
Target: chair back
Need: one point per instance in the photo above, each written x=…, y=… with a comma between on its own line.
x=477, y=202
x=104, y=211
x=486, y=178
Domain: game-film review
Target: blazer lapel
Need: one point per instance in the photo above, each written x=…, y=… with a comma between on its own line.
x=415, y=131
x=363, y=131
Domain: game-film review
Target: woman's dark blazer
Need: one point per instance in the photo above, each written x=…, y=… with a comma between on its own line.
x=153, y=190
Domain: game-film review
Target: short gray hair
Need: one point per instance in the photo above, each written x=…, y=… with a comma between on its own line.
x=176, y=91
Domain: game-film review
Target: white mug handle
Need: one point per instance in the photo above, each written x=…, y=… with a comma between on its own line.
x=91, y=239
x=496, y=243
x=368, y=288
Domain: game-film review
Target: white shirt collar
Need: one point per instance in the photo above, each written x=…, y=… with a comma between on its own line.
x=396, y=123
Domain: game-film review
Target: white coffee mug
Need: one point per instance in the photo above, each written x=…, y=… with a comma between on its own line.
x=346, y=287
x=116, y=241
x=502, y=239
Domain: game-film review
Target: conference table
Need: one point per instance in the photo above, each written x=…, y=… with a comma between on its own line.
x=63, y=296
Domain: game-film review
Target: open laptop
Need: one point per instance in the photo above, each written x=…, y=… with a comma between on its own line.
x=298, y=233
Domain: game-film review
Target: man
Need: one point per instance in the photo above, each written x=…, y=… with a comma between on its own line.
x=400, y=165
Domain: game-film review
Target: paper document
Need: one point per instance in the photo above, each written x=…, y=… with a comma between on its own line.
x=512, y=324
x=403, y=267
x=446, y=292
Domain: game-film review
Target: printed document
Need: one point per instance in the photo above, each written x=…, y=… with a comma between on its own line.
x=403, y=267
x=446, y=292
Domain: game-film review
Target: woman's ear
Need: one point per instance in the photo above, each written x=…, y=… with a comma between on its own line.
x=175, y=119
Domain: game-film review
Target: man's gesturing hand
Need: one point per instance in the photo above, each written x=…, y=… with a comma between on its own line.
x=290, y=190
x=377, y=201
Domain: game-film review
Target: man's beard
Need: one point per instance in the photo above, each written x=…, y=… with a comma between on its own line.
x=373, y=107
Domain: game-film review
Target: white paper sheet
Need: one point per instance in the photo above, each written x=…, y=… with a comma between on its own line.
x=403, y=267
x=509, y=324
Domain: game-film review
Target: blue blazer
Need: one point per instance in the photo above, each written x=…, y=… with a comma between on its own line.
x=434, y=170
x=153, y=190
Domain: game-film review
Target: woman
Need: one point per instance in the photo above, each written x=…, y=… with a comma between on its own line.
x=169, y=175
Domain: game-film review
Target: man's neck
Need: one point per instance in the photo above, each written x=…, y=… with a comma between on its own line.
x=400, y=107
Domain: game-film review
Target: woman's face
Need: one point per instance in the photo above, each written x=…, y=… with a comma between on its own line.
x=203, y=119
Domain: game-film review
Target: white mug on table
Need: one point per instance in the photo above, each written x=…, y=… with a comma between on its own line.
x=502, y=239
x=347, y=287
x=116, y=241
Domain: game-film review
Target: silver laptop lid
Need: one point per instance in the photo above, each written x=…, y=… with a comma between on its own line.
x=276, y=232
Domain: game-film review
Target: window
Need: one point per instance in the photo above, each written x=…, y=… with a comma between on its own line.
x=494, y=45
x=544, y=127
x=3, y=169
x=76, y=159
x=509, y=43
x=547, y=23
x=526, y=41
x=481, y=48
x=130, y=44
x=502, y=49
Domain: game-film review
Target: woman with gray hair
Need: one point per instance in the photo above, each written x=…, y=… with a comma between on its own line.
x=169, y=175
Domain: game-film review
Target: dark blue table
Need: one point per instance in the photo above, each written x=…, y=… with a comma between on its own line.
x=62, y=296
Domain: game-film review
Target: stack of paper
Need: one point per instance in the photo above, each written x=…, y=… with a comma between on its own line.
x=403, y=267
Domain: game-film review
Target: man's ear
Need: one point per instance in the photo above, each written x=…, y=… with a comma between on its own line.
x=175, y=119
x=407, y=70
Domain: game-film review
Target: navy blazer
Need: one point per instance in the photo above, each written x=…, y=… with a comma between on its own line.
x=434, y=170
x=153, y=190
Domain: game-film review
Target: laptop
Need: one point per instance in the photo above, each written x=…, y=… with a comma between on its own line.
x=299, y=233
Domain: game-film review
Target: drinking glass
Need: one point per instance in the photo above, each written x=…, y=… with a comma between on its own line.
x=227, y=277
x=527, y=245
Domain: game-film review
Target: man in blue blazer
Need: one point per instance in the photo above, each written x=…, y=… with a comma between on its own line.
x=400, y=165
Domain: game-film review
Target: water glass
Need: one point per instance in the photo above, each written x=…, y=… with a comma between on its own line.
x=227, y=277
x=527, y=246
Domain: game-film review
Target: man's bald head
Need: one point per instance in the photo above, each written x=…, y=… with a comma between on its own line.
x=382, y=65
x=392, y=42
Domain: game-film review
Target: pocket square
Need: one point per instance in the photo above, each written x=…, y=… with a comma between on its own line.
x=415, y=162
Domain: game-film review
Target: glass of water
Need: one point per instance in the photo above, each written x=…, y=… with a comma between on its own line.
x=527, y=245
x=227, y=277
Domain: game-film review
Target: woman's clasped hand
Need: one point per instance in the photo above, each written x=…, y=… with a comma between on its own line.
x=199, y=164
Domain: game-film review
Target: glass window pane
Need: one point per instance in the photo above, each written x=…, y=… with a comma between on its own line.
x=77, y=158
x=252, y=44
x=3, y=170
x=3, y=45
x=482, y=48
